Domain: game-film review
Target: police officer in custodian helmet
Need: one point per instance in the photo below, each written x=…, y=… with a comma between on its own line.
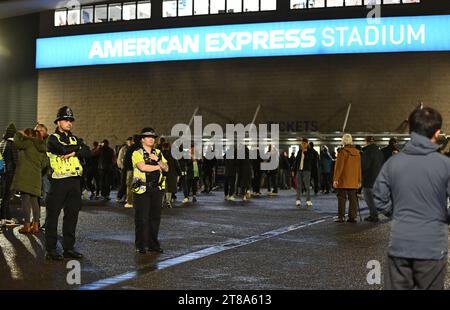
x=148, y=187
x=64, y=151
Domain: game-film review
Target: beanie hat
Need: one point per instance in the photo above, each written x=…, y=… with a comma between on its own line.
x=10, y=131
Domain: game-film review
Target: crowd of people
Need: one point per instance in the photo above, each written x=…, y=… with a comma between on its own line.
x=350, y=173
x=58, y=169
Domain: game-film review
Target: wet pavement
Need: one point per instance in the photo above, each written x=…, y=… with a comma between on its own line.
x=264, y=243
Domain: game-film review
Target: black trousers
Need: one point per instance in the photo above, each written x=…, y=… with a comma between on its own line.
x=272, y=181
x=123, y=184
x=105, y=181
x=6, y=194
x=147, y=218
x=256, y=182
x=244, y=183
x=92, y=176
x=408, y=274
x=190, y=184
x=65, y=194
x=326, y=182
x=352, y=196
x=315, y=180
x=208, y=180
x=229, y=187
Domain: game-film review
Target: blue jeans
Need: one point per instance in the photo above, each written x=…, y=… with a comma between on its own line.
x=304, y=177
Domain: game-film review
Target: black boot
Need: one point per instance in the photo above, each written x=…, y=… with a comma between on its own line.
x=53, y=255
x=72, y=254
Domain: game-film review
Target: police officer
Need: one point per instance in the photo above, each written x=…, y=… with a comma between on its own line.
x=148, y=187
x=64, y=151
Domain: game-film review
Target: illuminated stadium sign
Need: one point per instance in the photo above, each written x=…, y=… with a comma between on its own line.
x=344, y=36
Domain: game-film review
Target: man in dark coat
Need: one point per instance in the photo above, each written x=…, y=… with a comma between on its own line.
x=231, y=166
x=191, y=170
x=172, y=175
x=257, y=174
x=302, y=171
x=284, y=170
x=245, y=173
x=106, y=161
x=291, y=166
x=92, y=174
x=208, y=171
x=391, y=149
x=314, y=167
x=372, y=160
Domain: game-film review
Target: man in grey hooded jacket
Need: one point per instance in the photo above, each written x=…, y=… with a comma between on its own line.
x=412, y=188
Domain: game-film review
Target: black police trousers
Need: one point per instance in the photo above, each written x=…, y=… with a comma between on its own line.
x=65, y=194
x=147, y=218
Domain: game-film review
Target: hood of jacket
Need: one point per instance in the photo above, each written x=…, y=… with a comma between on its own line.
x=420, y=145
x=351, y=150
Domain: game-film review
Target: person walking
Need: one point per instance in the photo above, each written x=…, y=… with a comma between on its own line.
x=412, y=189
x=272, y=175
x=372, y=159
x=148, y=187
x=64, y=151
x=347, y=178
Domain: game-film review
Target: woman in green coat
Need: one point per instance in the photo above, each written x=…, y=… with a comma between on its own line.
x=27, y=178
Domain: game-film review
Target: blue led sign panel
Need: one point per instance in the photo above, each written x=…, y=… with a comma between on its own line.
x=344, y=36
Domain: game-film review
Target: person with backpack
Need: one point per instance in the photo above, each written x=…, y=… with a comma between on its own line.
x=10, y=156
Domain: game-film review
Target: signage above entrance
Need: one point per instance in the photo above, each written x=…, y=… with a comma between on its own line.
x=343, y=36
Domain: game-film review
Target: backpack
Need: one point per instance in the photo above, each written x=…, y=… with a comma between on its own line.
x=2, y=164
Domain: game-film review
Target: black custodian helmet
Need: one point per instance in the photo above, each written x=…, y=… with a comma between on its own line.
x=148, y=132
x=64, y=113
